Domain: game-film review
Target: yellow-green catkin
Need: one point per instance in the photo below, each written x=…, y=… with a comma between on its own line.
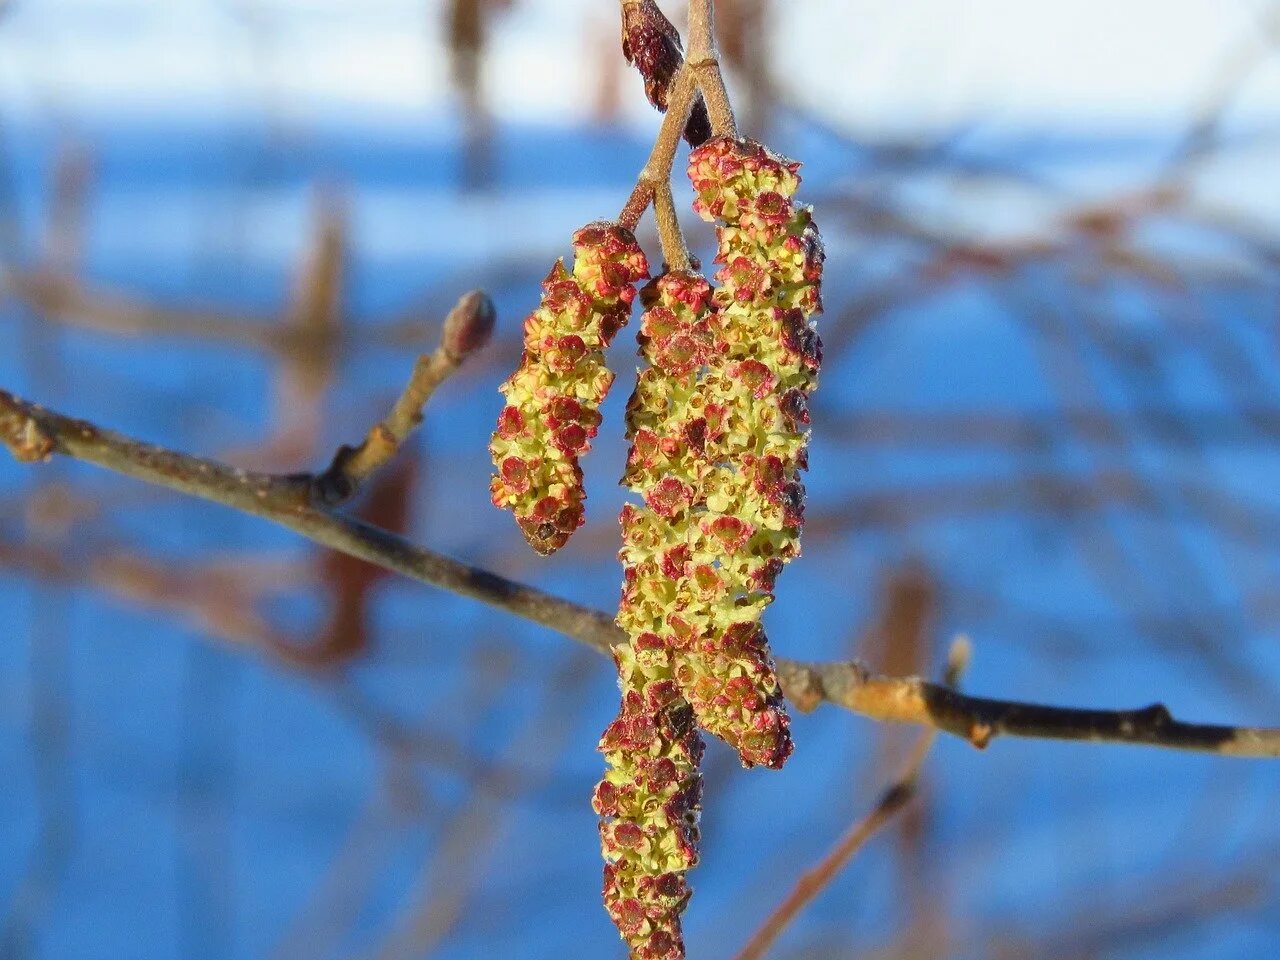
x=650, y=796
x=719, y=428
x=553, y=398
x=771, y=260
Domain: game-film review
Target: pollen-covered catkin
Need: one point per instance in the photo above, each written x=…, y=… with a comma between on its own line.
x=650, y=796
x=553, y=398
x=649, y=802
x=699, y=559
x=766, y=366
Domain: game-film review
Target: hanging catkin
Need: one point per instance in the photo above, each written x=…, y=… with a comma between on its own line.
x=553, y=399
x=718, y=426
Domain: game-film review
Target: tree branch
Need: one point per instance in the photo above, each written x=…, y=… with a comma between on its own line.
x=980, y=720
x=32, y=434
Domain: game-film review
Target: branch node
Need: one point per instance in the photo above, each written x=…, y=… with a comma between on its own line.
x=1156, y=716
x=980, y=734
x=26, y=439
x=802, y=685
x=897, y=795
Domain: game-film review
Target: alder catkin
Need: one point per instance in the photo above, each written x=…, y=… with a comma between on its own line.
x=649, y=802
x=771, y=261
x=698, y=558
x=651, y=793
x=553, y=398
x=718, y=425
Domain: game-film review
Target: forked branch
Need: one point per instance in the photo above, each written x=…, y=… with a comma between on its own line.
x=696, y=79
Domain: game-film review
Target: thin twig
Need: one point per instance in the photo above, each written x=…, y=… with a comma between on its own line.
x=674, y=249
x=33, y=433
x=655, y=177
x=819, y=877
x=102, y=309
x=698, y=74
x=895, y=797
x=705, y=61
x=64, y=299
x=466, y=329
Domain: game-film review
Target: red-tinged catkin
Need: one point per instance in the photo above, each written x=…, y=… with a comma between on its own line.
x=700, y=556
x=649, y=802
x=650, y=797
x=553, y=398
x=767, y=362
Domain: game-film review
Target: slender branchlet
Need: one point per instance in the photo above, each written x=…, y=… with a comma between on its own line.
x=467, y=330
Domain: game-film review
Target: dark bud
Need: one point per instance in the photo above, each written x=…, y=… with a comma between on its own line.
x=651, y=42
x=697, y=130
x=469, y=325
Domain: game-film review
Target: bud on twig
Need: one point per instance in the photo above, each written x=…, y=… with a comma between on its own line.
x=651, y=42
x=469, y=325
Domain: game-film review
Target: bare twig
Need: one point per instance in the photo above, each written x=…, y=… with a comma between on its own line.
x=32, y=432
x=696, y=81
x=705, y=60
x=655, y=177
x=980, y=720
x=466, y=330
x=102, y=309
x=469, y=841
x=815, y=880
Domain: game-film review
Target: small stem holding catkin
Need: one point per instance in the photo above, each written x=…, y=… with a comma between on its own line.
x=655, y=177
x=674, y=249
x=704, y=59
x=698, y=79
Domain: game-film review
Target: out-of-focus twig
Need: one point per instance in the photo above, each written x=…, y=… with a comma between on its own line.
x=745, y=33
x=467, y=27
x=470, y=839
x=813, y=881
